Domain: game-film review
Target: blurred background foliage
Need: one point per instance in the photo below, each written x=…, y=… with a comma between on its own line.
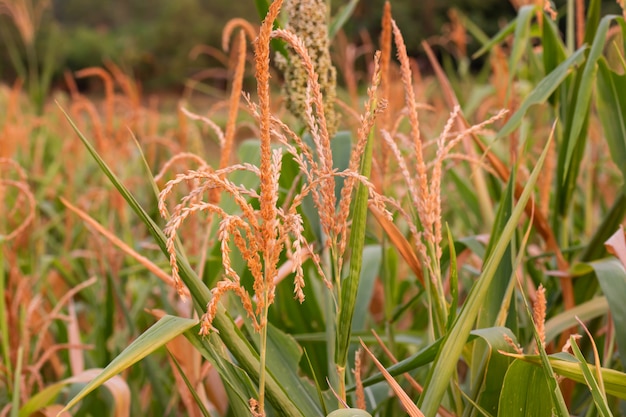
x=152, y=40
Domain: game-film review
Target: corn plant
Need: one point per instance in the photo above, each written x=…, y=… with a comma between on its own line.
x=444, y=240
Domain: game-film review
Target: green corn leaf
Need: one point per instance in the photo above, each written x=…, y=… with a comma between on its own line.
x=493, y=366
x=611, y=221
x=554, y=53
x=594, y=10
x=597, y=391
x=199, y=292
x=350, y=285
x=524, y=392
x=497, y=39
x=553, y=47
x=521, y=40
x=543, y=90
x=454, y=280
x=612, y=112
x=612, y=278
x=341, y=18
x=566, y=365
x=262, y=7
x=237, y=383
x=583, y=97
x=156, y=336
x=498, y=295
x=285, y=354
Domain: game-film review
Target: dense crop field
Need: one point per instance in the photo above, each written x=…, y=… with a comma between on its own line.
x=345, y=231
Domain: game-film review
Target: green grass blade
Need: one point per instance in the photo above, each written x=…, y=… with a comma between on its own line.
x=446, y=362
x=553, y=47
x=190, y=387
x=612, y=111
x=454, y=280
x=350, y=285
x=5, y=348
x=596, y=392
x=472, y=28
x=543, y=90
x=341, y=18
x=16, y=394
x=583, y=98
x=497, y=39
x=594, y=10
x=156, y=336
x=521, y=39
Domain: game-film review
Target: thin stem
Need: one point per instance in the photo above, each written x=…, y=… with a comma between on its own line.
x=4, y=328
x=389, y=292
x=204, y=250
x=263, y=352
x=570, y=15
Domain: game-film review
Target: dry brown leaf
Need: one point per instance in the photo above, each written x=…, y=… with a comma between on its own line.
x=616, y=245
x=77, y=360
x=407, y=402
x=399, y=241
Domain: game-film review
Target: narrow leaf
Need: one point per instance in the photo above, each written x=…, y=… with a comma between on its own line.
x=156, y=336
x=583, y=98
x=350, y=285
x=596, y=391
x=497, y=39
x=543, y=90
x=612, y=278
x=612, y=111
x=341, y=18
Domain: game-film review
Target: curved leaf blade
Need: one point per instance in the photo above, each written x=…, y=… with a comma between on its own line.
x=543, y=90
x=156, y=336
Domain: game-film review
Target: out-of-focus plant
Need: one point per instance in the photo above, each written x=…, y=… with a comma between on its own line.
x=36, y=36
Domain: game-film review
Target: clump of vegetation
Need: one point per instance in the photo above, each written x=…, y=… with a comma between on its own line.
x=448, y=236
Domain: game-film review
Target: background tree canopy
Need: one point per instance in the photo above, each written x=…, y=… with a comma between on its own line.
x=153, y=39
